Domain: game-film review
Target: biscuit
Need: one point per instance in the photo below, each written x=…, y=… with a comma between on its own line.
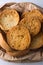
x=9, y=18
x=32, y=23
x=19, y=38
x=35, y=13
x=37, y=41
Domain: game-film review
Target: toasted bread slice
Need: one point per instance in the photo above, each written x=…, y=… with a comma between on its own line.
x=32, y=23
x=35, y=13
x=37, y=41
x=11, y=52
x=1, y=27
x=9, y=18
x=19, y=38
x=3, y=43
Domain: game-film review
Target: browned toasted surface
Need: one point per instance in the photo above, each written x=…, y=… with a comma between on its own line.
x=9, y=18
x=37, y=41
x=35, y=13
x=32, y=23
x=3, y=43
x=19, y=38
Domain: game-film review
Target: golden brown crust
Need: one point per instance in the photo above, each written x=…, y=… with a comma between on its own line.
x=4, y=44
x=37, y=41
x=24, y=14
x=8, y=50
x=32, y=23
x=9, y=18
x=35, y=13
x=19, y=38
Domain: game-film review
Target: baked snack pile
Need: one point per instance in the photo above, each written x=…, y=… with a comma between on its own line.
x=22, y=32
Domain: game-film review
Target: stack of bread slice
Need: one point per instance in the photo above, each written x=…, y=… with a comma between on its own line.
x=22, y=32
